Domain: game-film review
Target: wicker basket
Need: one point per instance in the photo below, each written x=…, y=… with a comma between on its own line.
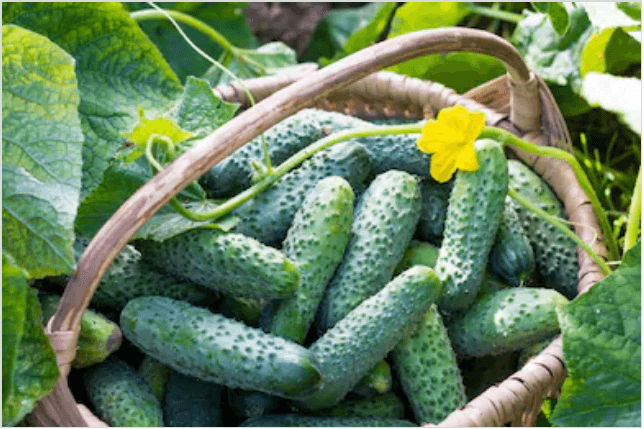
x=519, y=102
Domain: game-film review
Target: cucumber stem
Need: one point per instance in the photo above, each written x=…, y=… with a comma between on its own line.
x=507, y=137
x=634, y=214
x=489, y=12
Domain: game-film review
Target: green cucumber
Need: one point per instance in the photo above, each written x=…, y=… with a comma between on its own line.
x=364, y=336
x=268, y=216
x=511, y=257
x=418, y=253
x=557, y=263
x=191, y=402
x=316, y=242
x=247, y=310
x=129, y=277
x=473, y=217
x=385, y=218
x=120, y=396
x=505, y=321
x=386, y=405
x=427, y=369
x=375, y=382
x=300, y=420
x=235, y=173
x=230, y=263
x=155, y=375
x=433, y=212
x=98, y=338
x=211, y=347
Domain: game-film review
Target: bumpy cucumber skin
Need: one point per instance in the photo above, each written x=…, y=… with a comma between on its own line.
x=385, y=218
x=98, y=338
x=505, y=321
x=230, y=263
x=268, y=216
x=129, y=277
x=386, y=405
x=211, y=347
x=235, y=173
x=316, y=243
x=301, y=420
x=120, y=396
x=557, y=262
x=435, y=197
x=473, y=216
x=191, y=402
x=511, y=257
x=426, y=366
x=364, y=336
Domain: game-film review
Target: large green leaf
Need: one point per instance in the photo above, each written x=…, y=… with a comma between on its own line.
x=198, y=111
x=228, y=18
x=36, y=369
x=621, y=95
x=117, y=67
x=344, y=31
x=14, y=293
x=41, y=152
x=556, y=12
x=610, y=51
x=601, y=332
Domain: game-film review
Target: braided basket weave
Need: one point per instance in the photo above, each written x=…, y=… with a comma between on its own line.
x=518, y=101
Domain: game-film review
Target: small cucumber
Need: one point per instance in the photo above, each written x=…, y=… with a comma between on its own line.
x=375, y=382
x=191, y=402
x=268, y=216
x=505, y=321
x=99, y=337
x=434, y=209
x=316, y=242
x=386, y=405
x=129, y=277
x=557, y=263
x=385, y=218
x=418, y=253
x=364, y=336
x=301, y=420
x=473, y=217
x=426, y=366
x=230, y=263
x=511, y=257
x=155, y=375
x=235, y=173
x=214, y=348
x=120, y=396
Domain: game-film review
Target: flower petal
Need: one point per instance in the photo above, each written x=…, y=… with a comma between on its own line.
x=466, y=158
x=474, y=126
x=443, y=166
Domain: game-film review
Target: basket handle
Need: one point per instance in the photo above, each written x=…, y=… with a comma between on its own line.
x=148, y=199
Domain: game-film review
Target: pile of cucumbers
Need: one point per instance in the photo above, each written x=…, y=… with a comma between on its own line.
x=349, y=292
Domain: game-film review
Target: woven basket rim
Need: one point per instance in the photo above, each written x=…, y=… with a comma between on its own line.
x=69, y=308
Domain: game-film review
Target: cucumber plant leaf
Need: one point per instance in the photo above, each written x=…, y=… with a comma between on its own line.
x=557, y=13
x=41, y=152
x=612, y=51
x=344, y=31
x=601, y=332
x=36, y=369
x=460, y=71
x=118, y=70
x=14, y=295
x=620, y=95
x=197, y=111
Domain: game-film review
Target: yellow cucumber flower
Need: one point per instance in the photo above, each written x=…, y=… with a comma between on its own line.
x=450, y=138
